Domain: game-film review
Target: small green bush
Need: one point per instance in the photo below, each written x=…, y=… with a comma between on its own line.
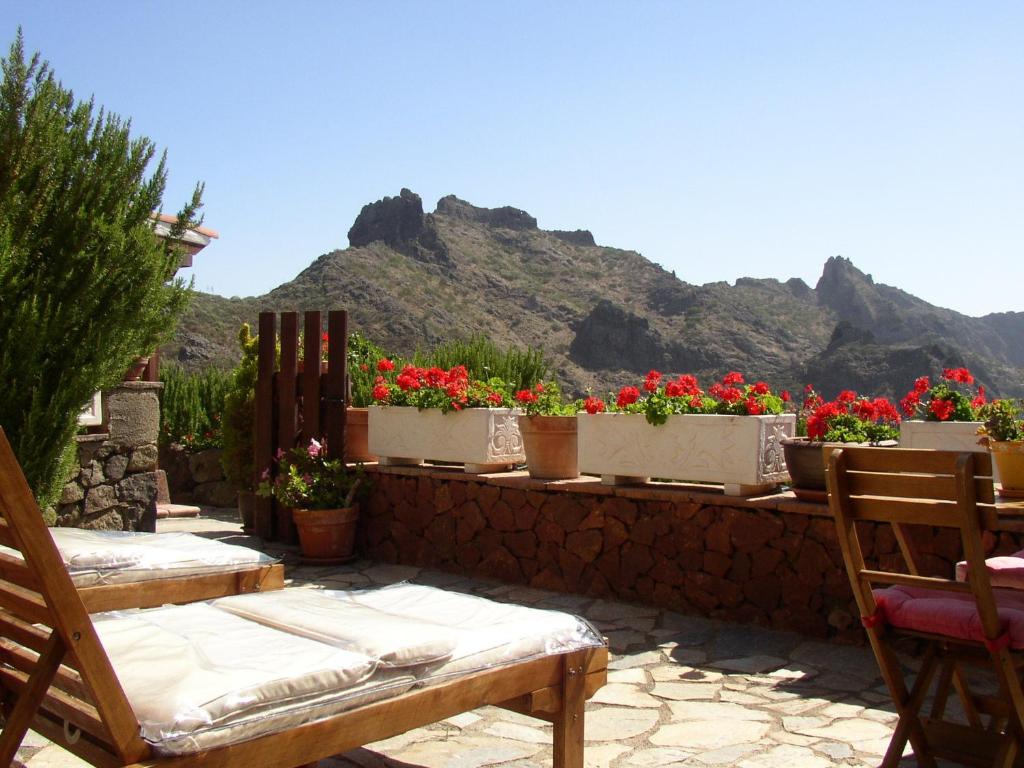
x=239, y=415
x=191, y=407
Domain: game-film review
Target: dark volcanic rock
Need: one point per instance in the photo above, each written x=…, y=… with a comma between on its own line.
x=847, y=333
x=612, y=338
x=506, y=216
x=576, y=237
x=400, y=223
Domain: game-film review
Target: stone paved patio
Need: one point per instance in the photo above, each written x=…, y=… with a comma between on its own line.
x=681, y=690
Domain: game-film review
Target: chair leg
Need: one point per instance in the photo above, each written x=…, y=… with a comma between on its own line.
x=908, y=705
x=30, y=698
x=568, y=722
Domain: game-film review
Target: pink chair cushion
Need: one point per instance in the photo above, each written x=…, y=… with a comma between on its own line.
x=949, y=613
x=1004, y=571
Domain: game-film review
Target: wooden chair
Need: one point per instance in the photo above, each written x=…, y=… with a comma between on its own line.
x=963, y=628
x=56, y=677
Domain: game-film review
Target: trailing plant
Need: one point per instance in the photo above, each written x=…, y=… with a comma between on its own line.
x=954, y=398
x=661, y=398
x=239, y=417
x=308, y=479
x=853, y=419
x=545, y=399
x=1002, y=421
x=87, y=285
x=192, y=406
x=450, y=390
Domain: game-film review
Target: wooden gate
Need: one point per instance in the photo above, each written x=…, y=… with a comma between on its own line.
x=297, y=401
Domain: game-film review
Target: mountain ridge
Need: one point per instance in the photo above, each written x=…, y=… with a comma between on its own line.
x=605, y=315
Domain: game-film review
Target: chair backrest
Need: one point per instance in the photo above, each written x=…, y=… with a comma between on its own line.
x=903, y=487
x=54, y=672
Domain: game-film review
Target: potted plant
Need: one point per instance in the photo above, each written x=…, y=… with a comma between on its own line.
x=238, y=424
x=443, y=415
x=321, y=494
x=673, y=429
x=1003, y=433
x=943, y=415
x=549, y=432
x=850, y=418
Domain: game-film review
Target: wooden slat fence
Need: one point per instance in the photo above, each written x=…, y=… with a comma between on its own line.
x=292, y=405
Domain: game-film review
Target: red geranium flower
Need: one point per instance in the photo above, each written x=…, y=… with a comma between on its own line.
x=627, y=396
x=786, y=397
x=941, y=409
x=385, y=365
x=761, y=388
x=922, y=384
x=526, y=396
x=846, y=396
x=495, y=398
x=754, y=408
x=380, y=393
x=593, y=405
x=910, y=403
x=733, y=377
x=979, y=401
x=961, y=375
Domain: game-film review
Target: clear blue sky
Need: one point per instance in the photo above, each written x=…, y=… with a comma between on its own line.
x=719, y=139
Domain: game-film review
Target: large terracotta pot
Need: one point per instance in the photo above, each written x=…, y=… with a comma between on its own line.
x=743, y=453
x=327, y=536
x=357, y=435
x=550, y=444
x=247, y=509
x=1008, y=458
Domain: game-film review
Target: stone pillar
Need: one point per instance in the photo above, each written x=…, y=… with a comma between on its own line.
x=116, y=485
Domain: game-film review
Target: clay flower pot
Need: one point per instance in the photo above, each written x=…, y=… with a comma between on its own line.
x=1008, y=458
x=357, y=435
x=550, y=444
x=806, y=460
x=137, y=369
x=327, y=536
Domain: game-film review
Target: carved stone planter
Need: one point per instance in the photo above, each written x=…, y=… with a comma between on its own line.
x=744, y=453
x=943, y=436
x=483, y=439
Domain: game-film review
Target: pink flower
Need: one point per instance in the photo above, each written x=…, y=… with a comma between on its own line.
x=314, y=448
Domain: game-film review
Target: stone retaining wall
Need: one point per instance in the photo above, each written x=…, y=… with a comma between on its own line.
x=115, y=487
x=196, y=477
x=772, y=561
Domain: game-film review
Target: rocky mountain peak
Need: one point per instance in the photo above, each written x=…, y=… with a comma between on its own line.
x=400, y=223
x=506, y=217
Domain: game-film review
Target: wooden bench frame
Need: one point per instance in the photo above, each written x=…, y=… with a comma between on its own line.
x=56, y=678
x=946, y=489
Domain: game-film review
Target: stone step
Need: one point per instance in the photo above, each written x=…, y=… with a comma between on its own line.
x=176, y=510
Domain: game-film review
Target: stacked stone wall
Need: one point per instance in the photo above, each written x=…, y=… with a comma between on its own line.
x=115, y=486
x=772, y=561
x=196, y=477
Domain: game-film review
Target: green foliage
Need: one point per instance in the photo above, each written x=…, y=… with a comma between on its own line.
x=84, y=279
x=239, y=416
x=308, y=479
x=1002, y=420
x=545, y=399
x=363, y=356
x=519, y=368
x=849, y=428
x=191, y=407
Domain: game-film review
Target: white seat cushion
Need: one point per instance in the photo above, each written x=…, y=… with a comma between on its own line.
x=199, y=677
x=116, y=557
x=394, y=641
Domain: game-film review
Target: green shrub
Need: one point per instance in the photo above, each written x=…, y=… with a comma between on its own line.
x=239, y=415
x=519, y=368
x=191, y=407
x=363, y=356
x=85, y=284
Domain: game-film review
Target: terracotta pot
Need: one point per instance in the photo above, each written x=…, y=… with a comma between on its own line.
x=550, y=444
x=327, y=536
x=357, y=435
x=247, y=509
x=138, y=368
x=1008, y=457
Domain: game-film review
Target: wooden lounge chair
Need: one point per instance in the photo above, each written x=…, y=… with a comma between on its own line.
x=182, y=582
x=966, y=631
x=58, y=678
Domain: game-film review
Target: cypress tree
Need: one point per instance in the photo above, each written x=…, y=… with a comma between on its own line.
x=85, y=284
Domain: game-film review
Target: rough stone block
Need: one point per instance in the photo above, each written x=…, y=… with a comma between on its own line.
x=216, y=494
x=116, y=466
x=92, y=474
x=133, y=413
x=110, y=520
x=205, y=466
x=71, y=494
x=145, y=458
x=100, y=498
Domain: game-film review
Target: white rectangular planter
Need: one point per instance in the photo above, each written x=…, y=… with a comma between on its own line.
x=484, y=439
x=942, y=436
x=744, y=453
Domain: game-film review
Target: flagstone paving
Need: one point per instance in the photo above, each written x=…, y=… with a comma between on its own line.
x=683, y=691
